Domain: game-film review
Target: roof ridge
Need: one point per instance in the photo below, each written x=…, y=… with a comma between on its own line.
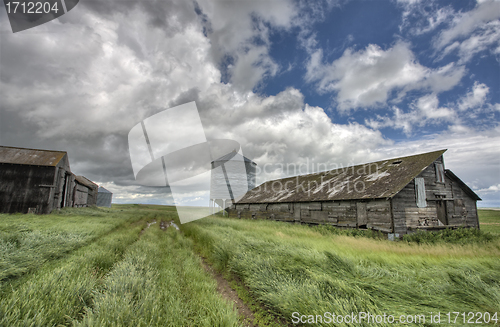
x=16, y=147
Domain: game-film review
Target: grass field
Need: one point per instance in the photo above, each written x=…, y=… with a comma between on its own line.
x=116, y=273
x=490, y=221
x=106, y=267
x=293, y=268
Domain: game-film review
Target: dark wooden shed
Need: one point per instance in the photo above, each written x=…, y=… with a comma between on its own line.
x=34, y=180
x=399, y=195
x=84, y=192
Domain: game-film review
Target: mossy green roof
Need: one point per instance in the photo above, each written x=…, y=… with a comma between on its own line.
x=381, y=179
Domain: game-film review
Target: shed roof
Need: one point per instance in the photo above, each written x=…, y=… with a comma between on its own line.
x=381, y=179
x=34, y=157
x=85, y=181
x=103, y=190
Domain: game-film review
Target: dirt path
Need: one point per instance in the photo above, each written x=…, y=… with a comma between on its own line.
x=228, y=293
x=223, y=286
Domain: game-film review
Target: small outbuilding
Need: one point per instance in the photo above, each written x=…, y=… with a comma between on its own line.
x=85, y=192
x=399, y=195
x=33, y=180
x=104, y=197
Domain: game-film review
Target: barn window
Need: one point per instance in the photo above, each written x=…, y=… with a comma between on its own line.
x=439, y=173
x=420, y=192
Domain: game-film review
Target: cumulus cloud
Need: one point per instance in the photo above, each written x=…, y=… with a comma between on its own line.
x=239, y=30
x=367, y=78
x=85, y=96
x=474, y=98
x=425, y=111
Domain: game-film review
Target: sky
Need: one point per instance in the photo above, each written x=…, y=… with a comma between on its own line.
x=310, y=83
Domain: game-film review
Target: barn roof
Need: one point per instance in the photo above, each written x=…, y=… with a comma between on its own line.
x=34, y=157
x=381, y=179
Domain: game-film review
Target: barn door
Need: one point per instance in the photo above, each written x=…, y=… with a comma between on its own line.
x=362, y=218
x=441, y=212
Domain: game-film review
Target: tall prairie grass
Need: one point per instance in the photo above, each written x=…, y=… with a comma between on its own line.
x=160, y=282
x=295, y=268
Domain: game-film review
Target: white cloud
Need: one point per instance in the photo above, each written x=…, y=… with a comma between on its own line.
x=464, y=24
x=492, y=188
x=425, y=111
x=472, y=32
x=474, y=98
x=366, y=78
x=238, y=29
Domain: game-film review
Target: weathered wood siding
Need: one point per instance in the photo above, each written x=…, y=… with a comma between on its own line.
x=20, y=188
x=459, y=209
x=463, y=209
x=375, y=214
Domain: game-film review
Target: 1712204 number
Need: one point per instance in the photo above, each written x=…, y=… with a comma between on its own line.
x=31, y=7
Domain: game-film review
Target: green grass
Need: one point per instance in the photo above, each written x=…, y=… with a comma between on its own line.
x=160, y=282
x=28, y=241
x=114, y=275
x=295, y=268
x=61, y=289
x=94, y=267
x=489, y=221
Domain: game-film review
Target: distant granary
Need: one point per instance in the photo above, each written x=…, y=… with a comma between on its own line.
x=398, y=195
x=104, y=197
x=39, y=181
x=231, y=177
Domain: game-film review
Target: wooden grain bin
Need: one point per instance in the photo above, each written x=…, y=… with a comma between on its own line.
x=232, y=176
x=33, y=180
x=104, y=197
x=399, y=195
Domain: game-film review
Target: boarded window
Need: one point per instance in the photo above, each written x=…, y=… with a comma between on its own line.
x=420, y=192
x=439, y=173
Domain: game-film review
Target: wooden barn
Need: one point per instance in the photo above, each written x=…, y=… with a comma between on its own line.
x=399, y=195
x=39, y=181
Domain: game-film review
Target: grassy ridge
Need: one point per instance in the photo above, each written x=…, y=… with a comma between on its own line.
x=160, y=282
x=294, y=268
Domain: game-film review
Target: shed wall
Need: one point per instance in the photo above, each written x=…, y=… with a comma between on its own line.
x=23, y=187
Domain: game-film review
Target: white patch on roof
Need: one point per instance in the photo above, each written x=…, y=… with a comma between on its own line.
x=376, y=175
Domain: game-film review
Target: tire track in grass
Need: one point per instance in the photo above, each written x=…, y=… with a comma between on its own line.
x=227, y=292
x=159, y=283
